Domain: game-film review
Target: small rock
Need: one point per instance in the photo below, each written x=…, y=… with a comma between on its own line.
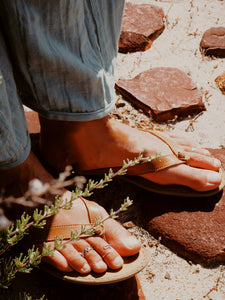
x=151, y=243
x=128, y=224
x=213, y=42
x=167, y=276
x=220, y=80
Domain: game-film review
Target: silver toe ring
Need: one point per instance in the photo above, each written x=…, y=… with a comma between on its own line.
x=86, y=250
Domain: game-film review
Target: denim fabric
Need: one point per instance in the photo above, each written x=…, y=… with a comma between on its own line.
x=14, y=136
x=62, y=53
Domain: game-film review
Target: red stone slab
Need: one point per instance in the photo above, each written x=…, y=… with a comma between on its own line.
x=141, y=25
x=164, y=92
x=213, y=42
x=194, y=228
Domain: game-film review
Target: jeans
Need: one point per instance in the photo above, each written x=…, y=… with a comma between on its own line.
x=56, y=57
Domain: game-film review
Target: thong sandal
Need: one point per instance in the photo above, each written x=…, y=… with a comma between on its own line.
x=156, y=165
x=132, y=264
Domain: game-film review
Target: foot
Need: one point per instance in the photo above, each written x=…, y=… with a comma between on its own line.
x=106, y=143
x=118, y=241
x=106, y=253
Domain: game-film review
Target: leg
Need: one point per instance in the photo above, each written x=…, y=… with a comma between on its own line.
x=14, y=136
x=69, y=79
x=37, y=71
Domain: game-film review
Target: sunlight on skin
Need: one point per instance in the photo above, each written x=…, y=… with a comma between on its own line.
x=110, y=142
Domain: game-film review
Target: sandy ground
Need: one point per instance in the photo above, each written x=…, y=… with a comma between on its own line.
x=178, y=46
x=168, y=276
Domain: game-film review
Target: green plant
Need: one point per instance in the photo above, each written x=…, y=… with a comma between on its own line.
x=24, y=262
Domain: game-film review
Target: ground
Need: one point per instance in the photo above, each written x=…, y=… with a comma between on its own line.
x=167, y=275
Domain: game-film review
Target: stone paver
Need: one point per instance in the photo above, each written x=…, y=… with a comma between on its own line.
x=194, y=228
x=141, y=25
x=163, y=92
x=213, y=42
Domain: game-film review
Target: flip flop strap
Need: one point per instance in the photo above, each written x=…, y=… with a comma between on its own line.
x=64, y=231
x=173, y=146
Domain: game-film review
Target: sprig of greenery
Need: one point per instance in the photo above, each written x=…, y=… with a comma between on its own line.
x=9, y=265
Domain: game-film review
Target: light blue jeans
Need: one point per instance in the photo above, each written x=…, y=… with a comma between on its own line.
x=56, y=57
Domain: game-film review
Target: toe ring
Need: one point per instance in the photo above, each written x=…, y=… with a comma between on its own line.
x=86, y=250
x=107, y=247
x=108, y=252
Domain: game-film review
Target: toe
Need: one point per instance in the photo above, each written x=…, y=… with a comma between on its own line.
x=196, y=178
x=107, y=252
x=58, y=261
x=120, y=239
x=203, y=180
x=198, y=160
x=75, y=260
x=193, y=149
x=90, y=255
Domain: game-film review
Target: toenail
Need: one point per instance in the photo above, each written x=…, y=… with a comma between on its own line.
x=118, y=261
x=100, y=265
x=131, y=242
x=217, y=163
x=214, y=177
x=86, y=268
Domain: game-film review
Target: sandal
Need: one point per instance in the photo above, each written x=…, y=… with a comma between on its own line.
x=156, y=165
x=132, y=264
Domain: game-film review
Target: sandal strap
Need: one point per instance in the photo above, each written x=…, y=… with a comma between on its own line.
x=64, y=231
x=157, y=164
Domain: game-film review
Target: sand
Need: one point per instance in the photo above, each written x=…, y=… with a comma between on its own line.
x=168, y=276
x=178, y=46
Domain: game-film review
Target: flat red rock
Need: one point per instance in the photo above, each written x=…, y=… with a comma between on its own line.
x=163, y=92
x=141, y=25
x=194, y=228
x=213, y=42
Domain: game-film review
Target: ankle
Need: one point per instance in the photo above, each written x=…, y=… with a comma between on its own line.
x=72, y=141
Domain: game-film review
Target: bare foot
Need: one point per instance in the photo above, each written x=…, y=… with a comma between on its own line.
x=15, y=182
x=107, y=142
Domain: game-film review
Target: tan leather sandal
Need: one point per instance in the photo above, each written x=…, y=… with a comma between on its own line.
x=157, y=165
x=132, y=265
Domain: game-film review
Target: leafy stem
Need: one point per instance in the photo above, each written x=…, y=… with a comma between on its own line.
x=35, y=195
